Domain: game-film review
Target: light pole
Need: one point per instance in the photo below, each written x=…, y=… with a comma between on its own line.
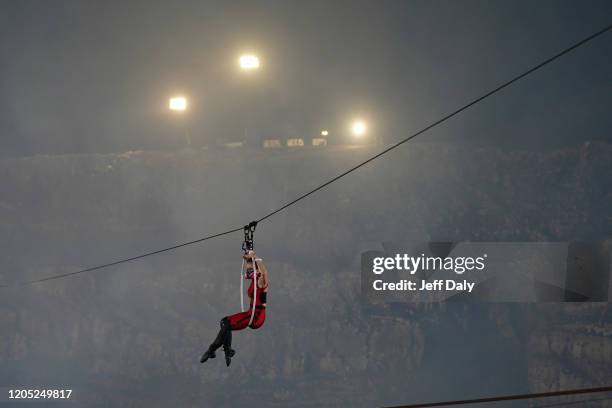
x=179, y=104
x=359, y=128
x=248, y=63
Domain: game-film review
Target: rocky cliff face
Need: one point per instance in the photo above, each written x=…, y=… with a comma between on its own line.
x=132, y=335
x=570, y=347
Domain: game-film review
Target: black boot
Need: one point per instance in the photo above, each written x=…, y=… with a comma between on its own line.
x=228, y=356
x=219, y=340
x=208, y=354
x=227, y=347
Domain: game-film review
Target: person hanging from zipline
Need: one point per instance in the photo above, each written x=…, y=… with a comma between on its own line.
x=257, y=292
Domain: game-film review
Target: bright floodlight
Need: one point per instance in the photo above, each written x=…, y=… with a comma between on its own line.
x=324, y=133
x=178, y=103
x=358, y=128
x=249, y=62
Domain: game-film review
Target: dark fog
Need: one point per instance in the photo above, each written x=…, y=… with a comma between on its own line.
x=96, y=76
x=95, y=168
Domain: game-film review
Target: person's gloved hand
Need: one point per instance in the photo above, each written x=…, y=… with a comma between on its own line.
x=249, y=256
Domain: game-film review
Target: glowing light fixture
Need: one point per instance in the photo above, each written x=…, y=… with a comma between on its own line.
x=358, y=128
x=178, y=103
x=249, y=62
x=324, y=133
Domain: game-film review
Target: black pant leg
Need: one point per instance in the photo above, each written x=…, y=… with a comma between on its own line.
x=222, y=336
x=227, y=341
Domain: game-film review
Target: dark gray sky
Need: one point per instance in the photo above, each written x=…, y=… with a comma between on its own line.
x=95, y=76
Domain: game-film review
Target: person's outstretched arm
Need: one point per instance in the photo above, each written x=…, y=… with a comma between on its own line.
x=263, y=281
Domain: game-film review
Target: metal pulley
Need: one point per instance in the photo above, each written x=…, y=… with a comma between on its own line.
x=249, y=237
